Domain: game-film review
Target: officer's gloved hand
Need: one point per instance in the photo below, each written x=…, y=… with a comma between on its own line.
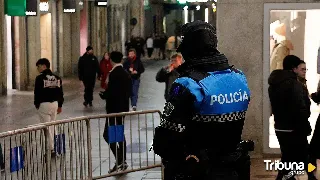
x=192, y=158
x=193, y=166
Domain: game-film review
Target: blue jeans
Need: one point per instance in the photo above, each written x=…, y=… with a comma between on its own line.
x=135, y=91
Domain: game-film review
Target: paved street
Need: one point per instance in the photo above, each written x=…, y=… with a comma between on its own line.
x=17, y=111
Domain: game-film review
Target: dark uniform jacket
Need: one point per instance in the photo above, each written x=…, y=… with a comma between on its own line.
x=88, y=67
x=119, y=90
x=48, y=88
x=205, y=110
x=289, y=101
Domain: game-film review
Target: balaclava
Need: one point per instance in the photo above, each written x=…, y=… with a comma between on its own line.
x=199, y=47
x=199, y=40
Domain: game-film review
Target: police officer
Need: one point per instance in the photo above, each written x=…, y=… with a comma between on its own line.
x=201, y=125
x=48, y=95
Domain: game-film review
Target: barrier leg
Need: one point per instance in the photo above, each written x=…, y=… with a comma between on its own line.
x=48, y=154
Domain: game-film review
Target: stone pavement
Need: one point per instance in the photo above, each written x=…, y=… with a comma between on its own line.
x=17, y=111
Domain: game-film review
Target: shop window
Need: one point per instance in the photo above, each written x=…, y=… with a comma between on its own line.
x=297, y=33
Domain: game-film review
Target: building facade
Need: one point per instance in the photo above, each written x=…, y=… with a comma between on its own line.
x=62, y=37
x=247, y=33
x=163, y=14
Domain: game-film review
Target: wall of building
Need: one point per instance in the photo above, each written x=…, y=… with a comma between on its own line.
x=137, y=11
x=46, y=36
x=157, y=14
x=240, y=33
x=170, y=18
x=75, y=39
x=33, y=47
x=84, y=28
x=20, y=54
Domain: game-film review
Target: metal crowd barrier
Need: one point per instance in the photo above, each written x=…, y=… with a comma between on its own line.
x=80, y=147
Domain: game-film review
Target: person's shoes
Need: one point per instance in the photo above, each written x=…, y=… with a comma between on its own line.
x=134, y=108
x=90, y=104
x=85, y=104
x=121, y=167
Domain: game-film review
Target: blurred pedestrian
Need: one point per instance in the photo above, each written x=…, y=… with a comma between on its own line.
x=88, y=68
x=169, y=73
x=134, y=66
x=150, y=46
x=105, y=67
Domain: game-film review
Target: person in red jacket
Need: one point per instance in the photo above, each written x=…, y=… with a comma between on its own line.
x=105, y=68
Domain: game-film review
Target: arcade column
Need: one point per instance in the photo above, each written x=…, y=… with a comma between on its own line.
x=75, y=37
x=3, y=64
x=20, y=54
x=103, y=31
x=137, y=11
x=158, y=15
x=69, y=39
x=33, y=46
x=60, y=38
x=94, y=28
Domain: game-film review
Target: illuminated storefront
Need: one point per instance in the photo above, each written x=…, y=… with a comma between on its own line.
x=296, y=23
x=46, y=31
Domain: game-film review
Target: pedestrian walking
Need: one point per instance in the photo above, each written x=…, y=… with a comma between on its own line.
x=48, y=96
x=88, y=69
x=169, y=73
x=135, y=68
x=117, y=98
x=290, y=105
